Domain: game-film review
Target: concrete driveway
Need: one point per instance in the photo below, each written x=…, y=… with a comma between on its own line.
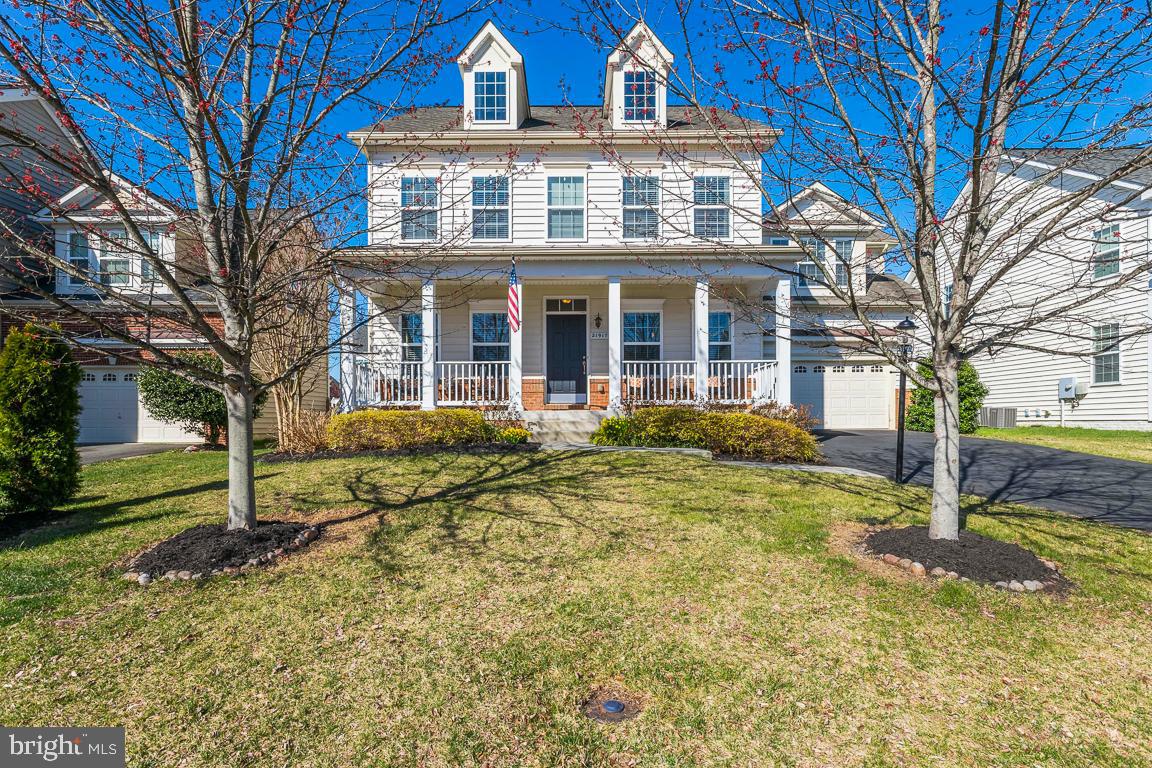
x=90, y=454
x=1092, y=487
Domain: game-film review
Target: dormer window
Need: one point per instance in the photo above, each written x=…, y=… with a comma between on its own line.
x=639, y=96
x=491, y=97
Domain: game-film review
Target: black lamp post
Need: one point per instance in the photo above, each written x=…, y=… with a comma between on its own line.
x=907, y=330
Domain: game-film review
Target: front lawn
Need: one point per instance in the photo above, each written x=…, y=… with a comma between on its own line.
x=1115, y=443
x=458, y=609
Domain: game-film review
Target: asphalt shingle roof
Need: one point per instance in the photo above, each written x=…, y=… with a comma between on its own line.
x=1099, y=162
x=562, y=118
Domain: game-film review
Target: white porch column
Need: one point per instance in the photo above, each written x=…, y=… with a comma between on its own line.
x=428, y=345
x=516, y=357
x=615, y=343
x=347, y=353
x=700, y=339
x=784, y=341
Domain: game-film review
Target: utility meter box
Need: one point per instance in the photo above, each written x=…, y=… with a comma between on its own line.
x=1072, y=389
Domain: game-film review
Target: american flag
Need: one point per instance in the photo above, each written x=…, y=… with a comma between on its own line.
x=513, y=301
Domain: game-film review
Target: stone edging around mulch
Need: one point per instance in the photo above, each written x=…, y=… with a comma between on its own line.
x=479, y=449
x=917, y=569
x=305, y=536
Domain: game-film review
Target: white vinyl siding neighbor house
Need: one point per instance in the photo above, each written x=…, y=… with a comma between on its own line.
x=1104, y=346
x=628, y=277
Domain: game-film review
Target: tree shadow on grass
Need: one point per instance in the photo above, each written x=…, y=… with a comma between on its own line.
x=459, y=503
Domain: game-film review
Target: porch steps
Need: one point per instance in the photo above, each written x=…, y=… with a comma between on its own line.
x=569, y=427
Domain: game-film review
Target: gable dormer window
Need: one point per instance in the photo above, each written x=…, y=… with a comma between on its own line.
x=639, y=96
x=491, y=97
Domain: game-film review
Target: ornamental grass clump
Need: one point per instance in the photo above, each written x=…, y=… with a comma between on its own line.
x=731, y=433
x=384, y=430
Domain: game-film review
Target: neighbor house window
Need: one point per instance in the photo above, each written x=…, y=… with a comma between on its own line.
x=115, y=260
x=490, y=208
x=565, y=207
x=639, y=96
x=719, y=335
x=642, y=336
x=491, y=97
x=1106, y=353
x=641, y=207
x=711, y=196
x=79, y=257
x=418, y=201
x=775, y=239
x=411, y=337
x=490, y=338
x=843, y=259
x=1106, y=252
x=155, y=243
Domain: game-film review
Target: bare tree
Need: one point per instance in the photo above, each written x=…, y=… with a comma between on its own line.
x=976, y=146
x=232, y=109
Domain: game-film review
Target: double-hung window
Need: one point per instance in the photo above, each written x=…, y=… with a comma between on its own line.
x=79, y=257
x=642, y=336
x=116, y=260
x=711, y=196
x=411, y=337
x=155, y=244
x=641, y=207
x=843, y=260
x=490, y=337
x=1106, y=252
x=808, y=271
x=719, y=335
x=490, y=208
x=565, y=207
x=419, y=198
x=1106, y=354
x=639, y=96
x=491, y=97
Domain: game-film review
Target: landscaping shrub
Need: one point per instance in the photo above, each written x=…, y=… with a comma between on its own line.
x=797, y=415
x=394, y=430
x=307, y=433
x=176, y=400
x=748, y=435
x=39, y=408
x=921, y=415
x=513, y=435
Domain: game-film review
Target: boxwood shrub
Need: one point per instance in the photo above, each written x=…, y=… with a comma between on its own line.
x=389, y=430
x=747, y=435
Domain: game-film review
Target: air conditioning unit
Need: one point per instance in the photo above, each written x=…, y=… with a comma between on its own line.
x=1001, y=418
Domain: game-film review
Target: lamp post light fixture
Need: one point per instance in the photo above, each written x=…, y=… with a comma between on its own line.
x=906, y=329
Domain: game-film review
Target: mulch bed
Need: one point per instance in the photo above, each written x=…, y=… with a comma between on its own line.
x=206, y=549
x=424, y=450
x=975, y=557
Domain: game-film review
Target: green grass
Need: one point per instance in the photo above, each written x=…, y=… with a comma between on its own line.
x=1115, y=443
x=458, y=609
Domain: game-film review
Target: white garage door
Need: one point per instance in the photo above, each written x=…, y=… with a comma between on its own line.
x=112, y=412
x=109, y=405
x=845, y=395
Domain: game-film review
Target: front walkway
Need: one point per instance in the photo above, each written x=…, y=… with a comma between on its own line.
x=1092, y=487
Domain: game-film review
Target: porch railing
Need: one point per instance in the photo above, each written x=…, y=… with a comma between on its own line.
x=472, y=383
x=388, y=383
x=741, y=381
x=659, y=381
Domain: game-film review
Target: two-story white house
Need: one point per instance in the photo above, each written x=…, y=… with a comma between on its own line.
x=1096, y=265
x=637, y=272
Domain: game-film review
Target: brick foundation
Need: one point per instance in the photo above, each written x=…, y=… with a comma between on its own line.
x=598, y=392
x=533, y=394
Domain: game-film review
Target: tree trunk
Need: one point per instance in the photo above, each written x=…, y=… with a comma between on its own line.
x=945, y=521
x=241, y=461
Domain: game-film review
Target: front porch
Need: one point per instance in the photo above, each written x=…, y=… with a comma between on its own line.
x=590, y=344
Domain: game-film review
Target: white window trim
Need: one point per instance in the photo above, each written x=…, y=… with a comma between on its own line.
x=71, y=283
x=701, y=207
x=472, y=208
x=507, y=96
x=659, y=207
x=1096, y=242
x=488, y=307
x=641, y=308
x=438, y=208
x=731, y=343
x=1118, y=352
x=557, y=173
x=624, y=96
x=587, y=313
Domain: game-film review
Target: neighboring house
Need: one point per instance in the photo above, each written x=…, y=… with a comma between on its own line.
x=1104, y=344
x=89, y=235
x=635, y=272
